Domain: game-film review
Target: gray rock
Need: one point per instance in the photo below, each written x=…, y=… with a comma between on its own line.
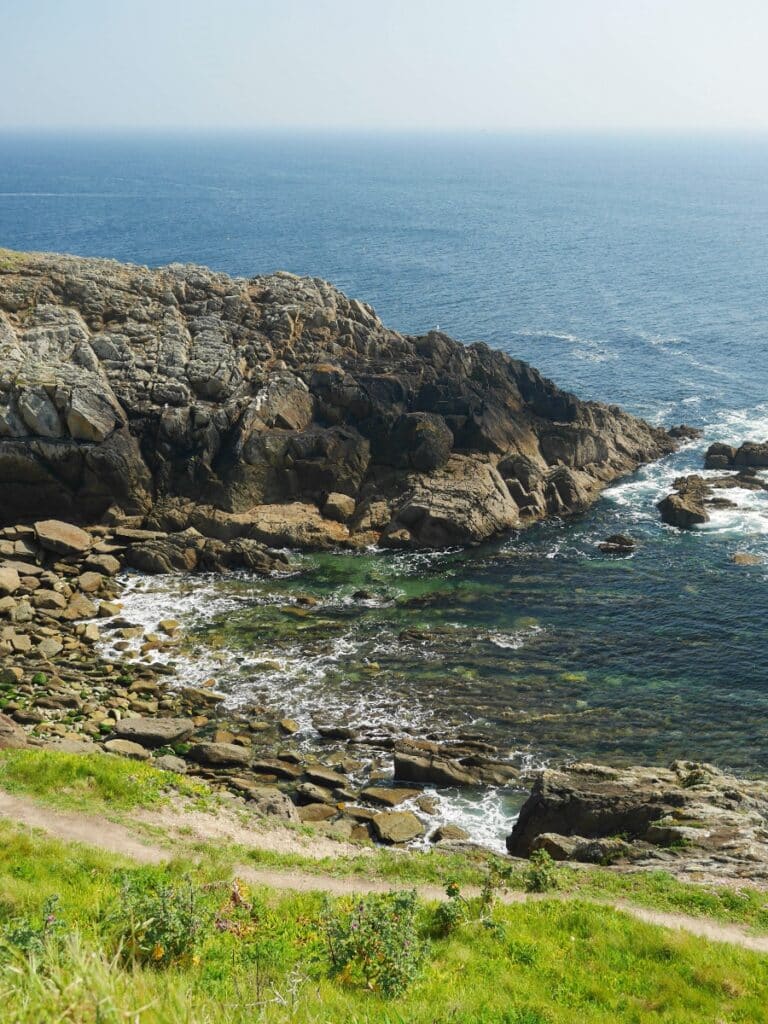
x=702, y=818
x=221, y=755
x=125, y=748
x=154, y=732
x=171, y=763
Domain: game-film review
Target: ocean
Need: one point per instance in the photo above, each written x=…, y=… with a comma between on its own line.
x=631, y=270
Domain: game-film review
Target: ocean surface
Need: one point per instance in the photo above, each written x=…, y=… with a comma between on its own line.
x=629, y=270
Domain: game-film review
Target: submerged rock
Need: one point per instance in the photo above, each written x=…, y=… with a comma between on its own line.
x=276, y=410
x=618, y=544
x=745, y=558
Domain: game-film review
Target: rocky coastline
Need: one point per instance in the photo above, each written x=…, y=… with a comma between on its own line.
x=61, y=592
x=180, y=420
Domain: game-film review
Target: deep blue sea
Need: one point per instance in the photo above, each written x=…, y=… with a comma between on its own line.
x=630, y=270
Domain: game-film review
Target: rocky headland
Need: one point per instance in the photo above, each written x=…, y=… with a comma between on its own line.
x=278, y=410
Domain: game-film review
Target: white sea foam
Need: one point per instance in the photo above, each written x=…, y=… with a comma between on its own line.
x=514, y=641
x=487, y=814
x=589, y=349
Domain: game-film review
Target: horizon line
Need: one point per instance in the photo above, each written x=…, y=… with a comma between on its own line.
x=690, y=132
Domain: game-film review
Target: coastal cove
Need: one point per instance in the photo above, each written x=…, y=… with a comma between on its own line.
x=537, y=643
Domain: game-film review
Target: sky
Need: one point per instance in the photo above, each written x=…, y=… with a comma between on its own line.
x=385, y=65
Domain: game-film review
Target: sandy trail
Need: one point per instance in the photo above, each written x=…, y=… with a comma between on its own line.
x=113, y=837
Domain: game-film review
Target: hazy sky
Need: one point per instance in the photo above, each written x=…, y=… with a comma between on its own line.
x=693, y=65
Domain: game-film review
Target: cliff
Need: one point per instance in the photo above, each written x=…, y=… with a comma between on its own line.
x=279, y=409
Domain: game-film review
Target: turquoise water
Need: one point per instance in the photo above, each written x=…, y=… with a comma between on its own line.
x=632, y=271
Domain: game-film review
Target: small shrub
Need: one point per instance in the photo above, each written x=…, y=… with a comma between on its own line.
x=541, y=873
x=376, y=942
x=157, y=925
x=450, y=914
x=523, y=953
x=33, y=935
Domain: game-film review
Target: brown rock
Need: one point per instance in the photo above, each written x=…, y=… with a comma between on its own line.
x=389, y=797
x=62, y=538
x=397, y=826
x=127, y=749
x=339, y=507
x=9, y=580
x=317, y=812
x=90, y=582
x=744, y=558
x=12, y=736
x=449, y=834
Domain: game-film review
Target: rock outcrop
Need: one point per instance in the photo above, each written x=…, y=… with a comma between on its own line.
x=694, y=496
x=277, y=409
x=692, y=817
x=750, y=455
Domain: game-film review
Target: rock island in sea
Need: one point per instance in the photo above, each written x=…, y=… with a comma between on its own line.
x=179, y=420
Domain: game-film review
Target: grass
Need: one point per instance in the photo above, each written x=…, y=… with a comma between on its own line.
x=410, y=867
x=93, y=783
x=103, y=784
x=544, y=963
x=11, y=260
x=551, y=962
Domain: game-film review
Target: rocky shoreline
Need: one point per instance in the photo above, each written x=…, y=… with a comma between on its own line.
x=695, y=496
x=60, y=594
x=191, y=422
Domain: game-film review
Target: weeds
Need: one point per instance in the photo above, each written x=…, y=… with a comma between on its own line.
x=541, y=873
x=375, y=942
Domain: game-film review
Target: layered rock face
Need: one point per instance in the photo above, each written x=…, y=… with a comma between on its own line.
x=278, y=409
x=692, y=817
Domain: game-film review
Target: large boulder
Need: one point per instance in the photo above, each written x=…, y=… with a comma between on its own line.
x=397, y=826
x=702, y=817
x=686, y=507
x=221, y=755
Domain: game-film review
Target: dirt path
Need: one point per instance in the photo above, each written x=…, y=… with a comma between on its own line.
x=80, y=828
x=116, y=838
